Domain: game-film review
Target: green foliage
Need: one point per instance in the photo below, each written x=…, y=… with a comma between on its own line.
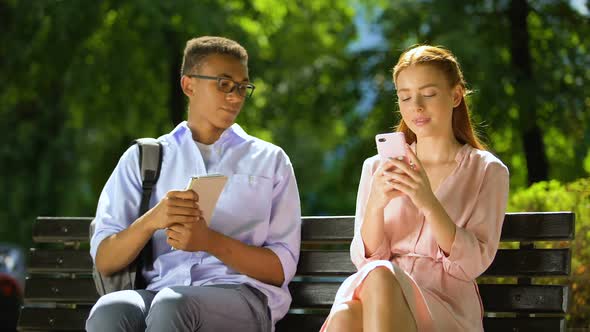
x=81, y=80
x=478, y=32
x=575, y=197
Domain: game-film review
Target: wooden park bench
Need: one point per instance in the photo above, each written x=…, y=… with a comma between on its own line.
x=59, y=290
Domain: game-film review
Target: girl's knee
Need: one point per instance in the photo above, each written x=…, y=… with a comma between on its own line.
x=346, y=317
x=379, y=280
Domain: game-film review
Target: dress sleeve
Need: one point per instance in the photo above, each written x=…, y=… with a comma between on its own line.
x=475, y=244
x=357, y=247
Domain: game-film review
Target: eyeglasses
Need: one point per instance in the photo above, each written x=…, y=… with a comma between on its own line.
x=227, y=85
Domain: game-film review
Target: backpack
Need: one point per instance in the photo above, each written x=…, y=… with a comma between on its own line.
x=150, y=161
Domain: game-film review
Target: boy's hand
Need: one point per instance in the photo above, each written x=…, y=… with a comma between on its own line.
x=177, y=207
x=189, y=236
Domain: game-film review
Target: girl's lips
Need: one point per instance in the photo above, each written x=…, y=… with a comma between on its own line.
x=421, y=121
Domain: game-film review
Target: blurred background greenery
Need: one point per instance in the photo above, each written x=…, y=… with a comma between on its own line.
x=79, y=80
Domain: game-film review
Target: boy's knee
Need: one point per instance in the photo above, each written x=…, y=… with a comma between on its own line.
x=115, y=316
x=169, y=305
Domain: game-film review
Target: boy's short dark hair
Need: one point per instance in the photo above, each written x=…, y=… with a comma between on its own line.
x=198, y=48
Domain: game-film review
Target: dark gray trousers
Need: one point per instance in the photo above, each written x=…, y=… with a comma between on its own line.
x=182, y=308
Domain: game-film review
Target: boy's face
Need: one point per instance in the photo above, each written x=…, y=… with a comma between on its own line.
x=210, y=108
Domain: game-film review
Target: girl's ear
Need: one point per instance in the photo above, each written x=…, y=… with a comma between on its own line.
x=457, y=95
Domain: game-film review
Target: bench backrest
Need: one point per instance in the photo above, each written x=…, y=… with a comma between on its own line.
x=59, y=291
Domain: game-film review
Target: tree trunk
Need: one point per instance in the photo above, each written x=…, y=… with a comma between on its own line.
x=532, y=135
x=176, y=99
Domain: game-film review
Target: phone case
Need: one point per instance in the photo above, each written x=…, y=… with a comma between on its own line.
x=391, y=145
x=209, y=188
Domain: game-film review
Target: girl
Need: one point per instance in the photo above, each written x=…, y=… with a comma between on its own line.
x=424, y=231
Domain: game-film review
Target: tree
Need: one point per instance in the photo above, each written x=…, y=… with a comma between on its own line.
x=529, y=96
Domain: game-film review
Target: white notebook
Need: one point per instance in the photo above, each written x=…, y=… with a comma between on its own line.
x=208, y=187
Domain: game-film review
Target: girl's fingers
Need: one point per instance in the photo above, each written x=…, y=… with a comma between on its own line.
x=414, y=158
x=402, y=178
x=405, y=168
x=401, y=187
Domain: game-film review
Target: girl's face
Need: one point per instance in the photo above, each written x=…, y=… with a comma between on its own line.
x=426, y=100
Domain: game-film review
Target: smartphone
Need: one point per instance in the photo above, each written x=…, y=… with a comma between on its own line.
x=391, y=145
x=209, y=188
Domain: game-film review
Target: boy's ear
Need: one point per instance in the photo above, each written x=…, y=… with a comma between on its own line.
x=187, y=86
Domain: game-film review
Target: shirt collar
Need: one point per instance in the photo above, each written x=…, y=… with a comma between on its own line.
x=234, y=132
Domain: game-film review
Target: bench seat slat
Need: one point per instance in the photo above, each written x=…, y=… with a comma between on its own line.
x=523, y=324
x=36, y=319
x=313, y=322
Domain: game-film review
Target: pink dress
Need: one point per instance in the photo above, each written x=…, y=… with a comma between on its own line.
x=440, y=290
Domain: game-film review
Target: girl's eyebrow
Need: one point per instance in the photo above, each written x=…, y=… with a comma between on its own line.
x=429, y=85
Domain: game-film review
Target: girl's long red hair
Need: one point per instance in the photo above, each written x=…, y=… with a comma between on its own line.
x=445, y=61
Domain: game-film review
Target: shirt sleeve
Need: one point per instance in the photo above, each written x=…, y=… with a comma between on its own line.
x=118, y=205
x=357, y=247
x=475, y=244
x=284, y=235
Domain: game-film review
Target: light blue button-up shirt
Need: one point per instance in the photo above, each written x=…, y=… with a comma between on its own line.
x=258, y=206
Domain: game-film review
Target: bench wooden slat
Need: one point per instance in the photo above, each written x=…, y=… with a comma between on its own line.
x=496, y=298
x=298, y=322
x=508, y=262
x=526, y=226
x=538, y=226
x=60, y=290
x=35, y=319
x=313, y=322
x=326, y=229
x=530, y=262
x=61, y=319
x=61, y=261
x=523, y=324
x=61, y=229
x=524, y=298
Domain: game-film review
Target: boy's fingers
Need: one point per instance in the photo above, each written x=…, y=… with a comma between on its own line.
x=184, y=209
x=188, y=194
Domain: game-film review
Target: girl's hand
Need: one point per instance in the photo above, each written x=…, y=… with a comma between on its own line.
x=413, y=182
x=382, y=190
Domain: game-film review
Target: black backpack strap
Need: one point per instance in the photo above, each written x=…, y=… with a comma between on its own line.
x=150, y=162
